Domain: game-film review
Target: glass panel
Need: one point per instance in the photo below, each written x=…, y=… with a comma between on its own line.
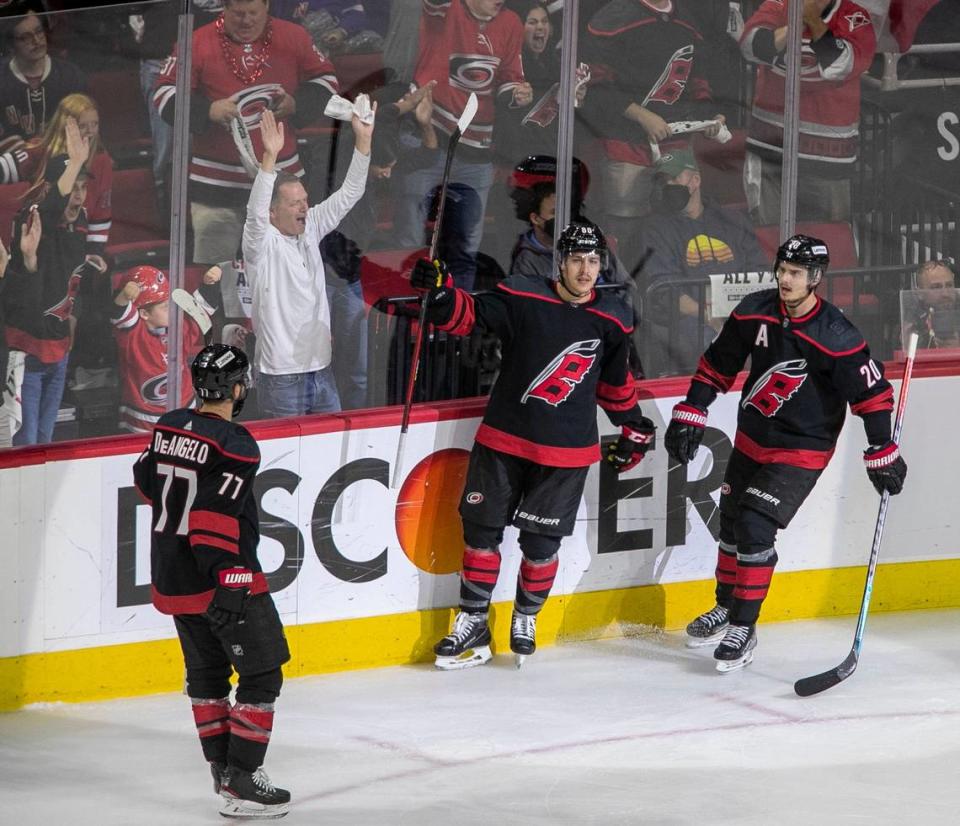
x=70, y=363
x=662, y=131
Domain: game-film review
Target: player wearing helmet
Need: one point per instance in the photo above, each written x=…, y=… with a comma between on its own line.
x=198, y=474
x=140, y=320
x=564, y=352
x=807, y=364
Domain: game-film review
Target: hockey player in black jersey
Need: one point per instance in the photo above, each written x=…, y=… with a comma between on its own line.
x=807, y=363
x=198, y=474
x=564, y=352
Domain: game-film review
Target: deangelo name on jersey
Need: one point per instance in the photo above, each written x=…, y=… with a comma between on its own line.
x=182, y=447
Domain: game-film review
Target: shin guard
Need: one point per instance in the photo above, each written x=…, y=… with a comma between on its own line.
x=213, y=725
x=726, y=573
x=481, y=567
x=250, y=729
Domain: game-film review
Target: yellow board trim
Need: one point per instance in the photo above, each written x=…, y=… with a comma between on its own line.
x=108, y=672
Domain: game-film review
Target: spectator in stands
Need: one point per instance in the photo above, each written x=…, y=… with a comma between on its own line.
x=690, y=238
x=937, y=314
x=341, y=250
x=838, y=47
x=523, y=132
x=140, y=319
x=338, y=26
x=281, y=249
x=242, y=64
x=646, y=61
x=485, y=41
x=31, y=162
x=42, y=285
x=32, y=83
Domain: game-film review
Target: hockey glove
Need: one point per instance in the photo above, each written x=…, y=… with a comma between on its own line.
x=430, y=275
x=635, y=440
x=685, y=431
x=229, y=603
x=885, y=467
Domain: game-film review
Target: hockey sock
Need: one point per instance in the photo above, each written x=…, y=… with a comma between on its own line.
x=481, y=567
x=754, y=572
x=726, y=572
x=250, y=728
x=212, y=719
x=538, y=569
x=534, y=583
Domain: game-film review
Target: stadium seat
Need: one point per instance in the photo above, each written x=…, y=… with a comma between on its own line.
x=136, y=217
x=843, y=256
x=386, y=273
x=124, y=123
x=358, y=72
x=11, y=199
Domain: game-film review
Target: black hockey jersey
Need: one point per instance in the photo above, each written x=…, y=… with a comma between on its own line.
x=560, y=361
x=638, y=54
x=804, y=371
x=198, y=474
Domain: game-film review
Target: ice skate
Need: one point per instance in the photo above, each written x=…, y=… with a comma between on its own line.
x=708, y=628
x=467, y=645
x=217, y=770
x=523, y=636
x=736, y=649
x=252, y=795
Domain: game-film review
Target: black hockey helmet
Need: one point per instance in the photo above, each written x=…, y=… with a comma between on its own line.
x=582, y=236
x=805, y=251
x=542, y=169
x=215, y=371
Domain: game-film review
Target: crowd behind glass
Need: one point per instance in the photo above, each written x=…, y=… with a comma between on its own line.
x=678, y=129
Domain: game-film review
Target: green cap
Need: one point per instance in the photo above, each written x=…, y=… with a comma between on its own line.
x=674, y=162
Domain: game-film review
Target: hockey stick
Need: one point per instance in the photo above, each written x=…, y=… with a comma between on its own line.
x=465, y=119
x=192, y=308
x=808, y=686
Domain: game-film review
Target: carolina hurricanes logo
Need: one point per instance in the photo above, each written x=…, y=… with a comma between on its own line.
x=777, y=386
x=557, y=380
x=473, y=72
x=65, y=307
x=673, y=79
x=252, y=101
x=856, y=20
x=154, y=390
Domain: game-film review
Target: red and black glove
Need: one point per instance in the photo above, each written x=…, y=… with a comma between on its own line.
x=685, y=431
x=636, y=438
x=229, y=603
x=885, y=467
x=430, y=275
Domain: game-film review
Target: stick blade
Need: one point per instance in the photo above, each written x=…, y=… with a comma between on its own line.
x=808, y=686
x=469, y=112
x=189, y=305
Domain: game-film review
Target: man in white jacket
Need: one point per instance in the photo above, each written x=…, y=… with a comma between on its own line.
x=291, y=317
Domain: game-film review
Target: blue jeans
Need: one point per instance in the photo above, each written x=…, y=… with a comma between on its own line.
x=462, y=219
x=348, y=323
x=40, y=398
x=160, y=131
x=297, y=394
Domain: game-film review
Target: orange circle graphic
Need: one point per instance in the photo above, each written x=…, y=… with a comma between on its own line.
x=428, y=524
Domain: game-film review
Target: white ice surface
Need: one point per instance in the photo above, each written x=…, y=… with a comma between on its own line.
x=631, y=731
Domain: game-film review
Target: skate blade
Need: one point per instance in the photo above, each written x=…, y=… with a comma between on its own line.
x=247, y=809
x=519, y=659
x=703, y=642
x=725, y=666
x=468, y=659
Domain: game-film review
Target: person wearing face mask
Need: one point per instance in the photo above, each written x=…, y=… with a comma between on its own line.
x=689, y=238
